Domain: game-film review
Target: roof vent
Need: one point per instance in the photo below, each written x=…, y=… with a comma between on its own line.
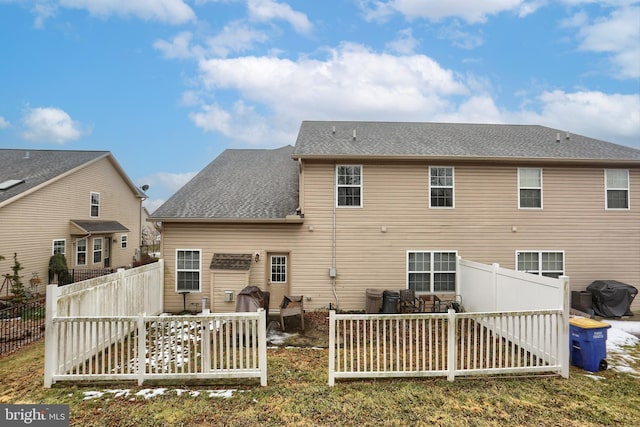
x=334, y=130
x=558, y=137
x=26, y=155
x=354, y=134
x=567, y=136
x=10, y=183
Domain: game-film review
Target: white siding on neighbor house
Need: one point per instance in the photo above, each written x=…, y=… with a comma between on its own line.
x=29, y=225
x=486, y=225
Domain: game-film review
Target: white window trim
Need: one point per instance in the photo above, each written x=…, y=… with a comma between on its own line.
x=86, y=248
x=541, y=188
x=91, y=204
x=199, y=270
x=453, y=187
x=64, y=246
x=124, y=239
x=94, y=251
x=432, y=272
x=361, y=186
x=540, y=252
x=606, y=190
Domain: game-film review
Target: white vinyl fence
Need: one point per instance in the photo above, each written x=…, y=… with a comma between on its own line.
x=451, y=344
x=206, y=346
x=515, y=322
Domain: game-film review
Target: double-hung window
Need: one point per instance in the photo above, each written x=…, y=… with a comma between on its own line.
x=429, y=272
x=81, y=252
x=543, y=263
x=617, y=184
x=530, y=188
x=95, y=204
x=188, y=262
x=59, y=247
x=97, y=250
x=123, y=241
x=441, y=194
x=349, y=186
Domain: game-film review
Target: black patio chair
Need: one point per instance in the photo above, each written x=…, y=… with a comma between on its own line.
x=409, y=303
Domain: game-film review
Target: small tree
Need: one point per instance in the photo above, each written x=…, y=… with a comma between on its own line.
x=20, y=293
x=58, y=268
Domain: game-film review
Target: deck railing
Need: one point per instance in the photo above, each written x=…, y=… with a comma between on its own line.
x=206, y=346
x=451, y=344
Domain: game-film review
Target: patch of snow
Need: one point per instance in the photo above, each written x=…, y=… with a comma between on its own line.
x=88, y=395
x=221, y=393
x=278, y=338
x=148, y=393
x=594, y=377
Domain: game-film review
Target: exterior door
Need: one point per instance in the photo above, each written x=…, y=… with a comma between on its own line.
x=278, y=278
x=107, y=252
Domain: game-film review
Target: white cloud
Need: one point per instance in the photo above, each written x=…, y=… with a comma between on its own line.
x=167, y=11
x=470, y=11
x=619, y=35
x=4, y=123
x=460, y=38
x=51, y=125
x=234, y=37
x=178, y=48
x=612, y=117
x=405, y=43
x=350, y=83
x=267, y=10
x=164, y=183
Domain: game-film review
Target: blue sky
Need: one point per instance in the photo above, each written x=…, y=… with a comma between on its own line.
x=167, y=85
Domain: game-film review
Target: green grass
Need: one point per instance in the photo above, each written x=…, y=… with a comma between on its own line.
x=298, y=395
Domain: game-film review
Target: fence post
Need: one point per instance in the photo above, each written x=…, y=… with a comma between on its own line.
x=51, y=335
x=262, y=345
x=564, y=329
x=332, y=347
x=142, y=346
x=451, y=344
x=494, y=283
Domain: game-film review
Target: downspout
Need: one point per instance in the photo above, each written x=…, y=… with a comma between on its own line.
x=333, y=248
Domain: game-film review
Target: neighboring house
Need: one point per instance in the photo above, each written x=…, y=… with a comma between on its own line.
x=359, y=205
x=78, y=203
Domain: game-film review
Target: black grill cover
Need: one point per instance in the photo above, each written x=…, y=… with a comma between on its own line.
x=612, y=298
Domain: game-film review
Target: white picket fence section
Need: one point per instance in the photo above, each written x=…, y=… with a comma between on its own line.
x=451, y=344
x=514, y=322
x=206, y=346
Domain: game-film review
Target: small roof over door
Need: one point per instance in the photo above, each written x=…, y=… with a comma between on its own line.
x=81, y=227
x=237, y=262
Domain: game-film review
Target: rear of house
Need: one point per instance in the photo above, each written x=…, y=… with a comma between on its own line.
x=359, y=205
x=76, y=203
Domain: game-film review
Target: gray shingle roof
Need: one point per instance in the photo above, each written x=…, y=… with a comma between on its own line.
x=239, y=262
x=393, y=139
x=99, y=226
x=252, y=184
x=36, y=167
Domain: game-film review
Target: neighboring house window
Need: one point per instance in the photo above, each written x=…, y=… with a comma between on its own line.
x=617, y=183
x=95, y=204
x=530, y=188
x=431, y=271
x=188, y=270
x=349, y=185
x=81, y=252
x=59, y=247
x=543, y=263
x=440, y=187
x=278, y=269
x=123, y=241
x=97, y=250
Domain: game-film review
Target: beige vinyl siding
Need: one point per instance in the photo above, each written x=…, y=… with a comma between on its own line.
x=486, y=225
x=30, y=224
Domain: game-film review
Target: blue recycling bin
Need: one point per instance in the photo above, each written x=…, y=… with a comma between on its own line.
x=588, y=344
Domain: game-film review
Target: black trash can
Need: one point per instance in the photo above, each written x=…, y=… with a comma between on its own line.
x=374, y=300
x=390, y=301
